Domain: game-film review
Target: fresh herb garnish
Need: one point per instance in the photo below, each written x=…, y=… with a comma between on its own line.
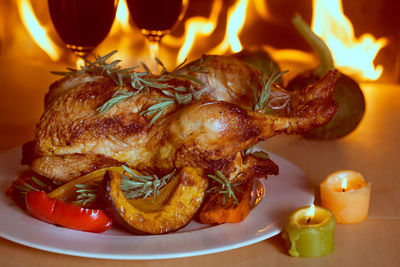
x=144, y=80
x=100, y=67
x=87, y=194
x=224, y=187
x=25, y=188
x=133, y=186
x=170, y=99
x=183, y=71
x=144, y=186
x=119, y=96
x=262, y=99
x=182, y=95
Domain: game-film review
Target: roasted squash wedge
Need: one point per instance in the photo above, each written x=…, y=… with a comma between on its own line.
x=214, y=211
x=172, y=209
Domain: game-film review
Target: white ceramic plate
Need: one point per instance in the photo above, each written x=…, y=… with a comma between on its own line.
x=282, y=193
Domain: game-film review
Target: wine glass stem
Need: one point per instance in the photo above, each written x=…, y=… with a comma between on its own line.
x=154, y=47
x=78, y=57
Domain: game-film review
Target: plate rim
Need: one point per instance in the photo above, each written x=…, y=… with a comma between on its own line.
x=276, y=226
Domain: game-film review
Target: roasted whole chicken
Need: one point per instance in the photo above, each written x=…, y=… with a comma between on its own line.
x=150, y=152
x=203, y=115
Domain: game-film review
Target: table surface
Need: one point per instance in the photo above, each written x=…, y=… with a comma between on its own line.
x=371, y=149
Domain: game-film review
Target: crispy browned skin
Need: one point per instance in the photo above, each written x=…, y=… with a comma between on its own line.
x=207, y=133
x=72, y=165
x=231, y=80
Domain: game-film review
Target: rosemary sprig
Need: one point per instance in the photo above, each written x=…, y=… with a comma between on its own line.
x=183, y=71
x=127, y=76
x=143, y=185
x=98, y=67
x=25, y=188
x=170, y=99
x=87, y=194
x=271, y=69
x=224, y=187
x=158, y=108
x=263, y=99
x=141, y=80
x=119, y=96
x=132, y=185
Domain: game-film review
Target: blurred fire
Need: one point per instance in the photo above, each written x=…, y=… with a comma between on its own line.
x=262, y=9
x=353, y=56
x=235, y=22
x=121, y=35
x=122, y=17
x=198, y=26
x=195, y=27
x=37, y=31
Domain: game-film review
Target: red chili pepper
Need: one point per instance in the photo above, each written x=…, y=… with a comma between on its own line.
x=65, y=214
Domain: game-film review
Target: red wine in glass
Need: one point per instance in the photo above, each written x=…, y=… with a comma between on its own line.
x=155, y=18
x=82, y=24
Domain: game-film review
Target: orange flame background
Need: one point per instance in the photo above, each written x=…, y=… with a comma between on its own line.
x=353, y=56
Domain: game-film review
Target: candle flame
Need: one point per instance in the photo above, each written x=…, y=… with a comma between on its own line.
x=344, y=183
x=310, y=213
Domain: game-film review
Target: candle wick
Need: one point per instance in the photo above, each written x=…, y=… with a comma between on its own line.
x=343, y=190
x=308, y=220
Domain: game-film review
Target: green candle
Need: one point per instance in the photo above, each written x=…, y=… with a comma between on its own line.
x=310, y=234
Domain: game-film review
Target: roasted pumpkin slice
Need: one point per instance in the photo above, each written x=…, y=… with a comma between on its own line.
x=214, y=211
x=173, y=208
x=152, y=203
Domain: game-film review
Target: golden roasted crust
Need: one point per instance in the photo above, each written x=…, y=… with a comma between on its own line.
x=230, y=80
x=68, y=167
x=206, y=133
x=71, y=123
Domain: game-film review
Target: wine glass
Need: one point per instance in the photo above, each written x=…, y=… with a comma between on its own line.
x=156, y=18
x=82, y=24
